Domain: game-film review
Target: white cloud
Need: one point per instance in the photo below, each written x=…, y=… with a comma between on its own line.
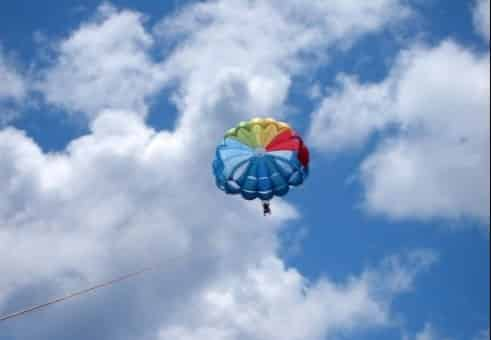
x=121, y=197
x=116, y=199
x=436, y=162
x=13, y=88
x=259, y=60
x=482, y=18
x=428, y=333
x=104, y=64
x=347, y=117
x=12, y=85
x=264, y=299
x=125, y=195
x=483, y=335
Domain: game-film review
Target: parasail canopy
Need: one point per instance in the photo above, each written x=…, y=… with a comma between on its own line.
x=261, y=159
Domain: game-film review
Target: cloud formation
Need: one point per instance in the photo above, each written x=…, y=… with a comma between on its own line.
x=432, y=112
x=255, y=65
x=12, y=85
x=114, y=200
x=482, y=335
x=125, y=194
x=109, y=203
x=118, y=197
x=13, y=88
x=482, y=18
x=104, y=64
x=259, y=303
x=428, y=333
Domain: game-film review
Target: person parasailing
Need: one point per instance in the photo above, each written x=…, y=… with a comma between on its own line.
x=266, y=208
x=261, y=159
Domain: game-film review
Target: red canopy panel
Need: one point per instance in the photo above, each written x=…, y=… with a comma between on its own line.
x=289, y=140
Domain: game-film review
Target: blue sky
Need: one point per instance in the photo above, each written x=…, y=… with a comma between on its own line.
x=109, y=114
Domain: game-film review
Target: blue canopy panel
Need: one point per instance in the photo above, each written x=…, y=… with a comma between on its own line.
x=240, y=169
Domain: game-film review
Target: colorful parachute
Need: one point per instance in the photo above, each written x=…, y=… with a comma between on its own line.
x=262, y=158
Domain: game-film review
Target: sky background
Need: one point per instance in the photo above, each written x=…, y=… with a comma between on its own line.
x=109, y=116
